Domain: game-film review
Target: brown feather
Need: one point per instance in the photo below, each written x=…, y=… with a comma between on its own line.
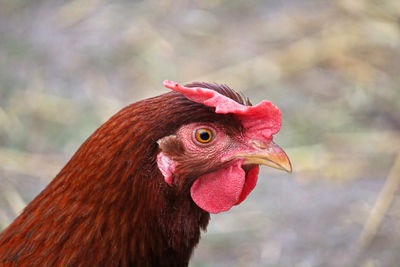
x=110, y=206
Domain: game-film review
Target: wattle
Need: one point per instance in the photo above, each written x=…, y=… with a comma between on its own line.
x=220, y=190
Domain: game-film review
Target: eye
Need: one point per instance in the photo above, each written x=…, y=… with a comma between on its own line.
x=204, y=135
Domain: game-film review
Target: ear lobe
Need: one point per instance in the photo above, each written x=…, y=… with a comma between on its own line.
x=166, y=166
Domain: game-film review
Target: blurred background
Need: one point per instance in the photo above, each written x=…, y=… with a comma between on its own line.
x=332, y=66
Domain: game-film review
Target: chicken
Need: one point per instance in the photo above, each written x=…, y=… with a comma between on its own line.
x=141, y=188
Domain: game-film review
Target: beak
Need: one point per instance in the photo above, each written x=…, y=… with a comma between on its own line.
x=270, y=155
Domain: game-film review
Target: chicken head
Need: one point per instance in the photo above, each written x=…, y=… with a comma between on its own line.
x=223, y=160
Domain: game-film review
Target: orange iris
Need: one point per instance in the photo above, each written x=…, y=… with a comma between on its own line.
x=204, y=135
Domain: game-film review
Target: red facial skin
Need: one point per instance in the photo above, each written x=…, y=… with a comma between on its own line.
x=219, y=189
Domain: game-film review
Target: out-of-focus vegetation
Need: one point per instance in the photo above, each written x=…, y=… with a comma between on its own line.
x=331, y=66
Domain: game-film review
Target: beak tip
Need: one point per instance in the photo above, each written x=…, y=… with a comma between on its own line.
x=289, y=168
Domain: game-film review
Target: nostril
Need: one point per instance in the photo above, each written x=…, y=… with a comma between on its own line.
x=259, y=144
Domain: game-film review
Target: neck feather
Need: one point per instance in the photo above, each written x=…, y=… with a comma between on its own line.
x=110, y=205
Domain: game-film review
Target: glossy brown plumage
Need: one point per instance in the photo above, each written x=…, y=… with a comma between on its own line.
x=110, y=206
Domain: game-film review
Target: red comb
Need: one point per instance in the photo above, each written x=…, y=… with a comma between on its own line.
x=261, y=121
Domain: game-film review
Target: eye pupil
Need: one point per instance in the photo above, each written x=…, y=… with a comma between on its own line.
x=205, y=136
